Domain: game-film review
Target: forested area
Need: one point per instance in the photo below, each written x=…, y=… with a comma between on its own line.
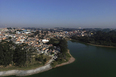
x=21, y=54
x=63, y=56
x=62, y=43
x=13, y=54
x=18, y=55
x=100, y=38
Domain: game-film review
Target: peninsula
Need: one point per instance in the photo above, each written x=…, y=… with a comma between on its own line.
x=26, y=52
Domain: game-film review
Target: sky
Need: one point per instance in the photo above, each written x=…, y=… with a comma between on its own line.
x=58, y=13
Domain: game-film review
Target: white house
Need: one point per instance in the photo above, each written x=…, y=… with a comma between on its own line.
x=45, y=41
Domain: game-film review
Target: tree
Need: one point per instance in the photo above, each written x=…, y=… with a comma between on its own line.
x=10, y=38
x=52, y=47
x=19, y=56
x=6, y=53
x=63, y=45
x=100, y=38
x=51, y=41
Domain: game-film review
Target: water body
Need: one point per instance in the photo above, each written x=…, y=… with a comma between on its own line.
x=91, y=61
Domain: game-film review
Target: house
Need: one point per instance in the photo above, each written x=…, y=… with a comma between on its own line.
x=45, y=41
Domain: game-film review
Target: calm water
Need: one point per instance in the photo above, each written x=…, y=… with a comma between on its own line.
x=90, y=61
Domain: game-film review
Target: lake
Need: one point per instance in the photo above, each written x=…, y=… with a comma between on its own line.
x=91, y=61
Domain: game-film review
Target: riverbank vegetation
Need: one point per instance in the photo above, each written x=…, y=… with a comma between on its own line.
x=22, y=56
x=100, y=38
x=61, y=60
x=63, y=56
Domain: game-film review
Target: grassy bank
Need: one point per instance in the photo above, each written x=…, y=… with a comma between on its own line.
x=69, y=59
x=36, y=65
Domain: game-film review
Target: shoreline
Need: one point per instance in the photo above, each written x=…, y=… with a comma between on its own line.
x=34, y=71
x=25, y=72
x=71, y=60
x=101, y=45
x=93, y=44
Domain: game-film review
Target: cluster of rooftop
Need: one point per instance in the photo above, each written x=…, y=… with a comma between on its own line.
x=19, y=36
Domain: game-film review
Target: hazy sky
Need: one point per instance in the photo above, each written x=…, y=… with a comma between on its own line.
x=58, y=13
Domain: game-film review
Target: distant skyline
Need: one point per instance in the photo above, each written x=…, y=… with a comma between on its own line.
x=58, y=13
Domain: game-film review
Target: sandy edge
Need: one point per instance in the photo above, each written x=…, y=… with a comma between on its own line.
x=71, y=60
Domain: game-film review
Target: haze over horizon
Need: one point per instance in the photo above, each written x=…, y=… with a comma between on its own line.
x=58, y=13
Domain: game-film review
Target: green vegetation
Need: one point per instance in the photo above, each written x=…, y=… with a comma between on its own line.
x=30, y=66
x=12, y=54
x=54, y=41
x=63, y=56
x=61, y=60
x=6, y=53
x=19, y=56
x=100, y=38
x=42, y=58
